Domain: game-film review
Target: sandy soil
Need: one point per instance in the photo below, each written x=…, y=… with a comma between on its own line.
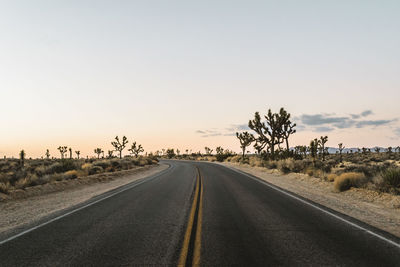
x=29, y=206
x=377, y=209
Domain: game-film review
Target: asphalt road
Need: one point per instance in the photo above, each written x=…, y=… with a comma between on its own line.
x=200, y=213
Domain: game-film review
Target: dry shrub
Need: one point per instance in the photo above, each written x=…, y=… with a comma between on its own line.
x=86, y=166
x=73, y=174
x=22, y=183
x=347, y=180
x=331, y=177
x=310, y=171
x=5, y=187
x=286, y=165
x=256, y=162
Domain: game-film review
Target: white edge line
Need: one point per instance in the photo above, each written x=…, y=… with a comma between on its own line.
x=78, y=209
x=316, y=207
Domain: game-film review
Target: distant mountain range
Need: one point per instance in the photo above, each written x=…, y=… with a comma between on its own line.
x=332, y=150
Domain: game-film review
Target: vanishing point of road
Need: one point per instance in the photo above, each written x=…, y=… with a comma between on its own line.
x=204, y=214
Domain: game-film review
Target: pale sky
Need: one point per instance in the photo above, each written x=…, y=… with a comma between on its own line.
x=188, y=74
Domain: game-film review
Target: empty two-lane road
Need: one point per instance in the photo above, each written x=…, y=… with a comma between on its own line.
x=200, y=213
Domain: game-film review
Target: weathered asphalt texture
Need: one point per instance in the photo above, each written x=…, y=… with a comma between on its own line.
x=244, y=223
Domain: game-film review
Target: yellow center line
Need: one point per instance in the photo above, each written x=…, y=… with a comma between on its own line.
x=186, y=240
x=197, y=242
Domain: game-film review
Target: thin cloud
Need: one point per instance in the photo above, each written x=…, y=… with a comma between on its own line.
x=329, y=122
x=324, y=129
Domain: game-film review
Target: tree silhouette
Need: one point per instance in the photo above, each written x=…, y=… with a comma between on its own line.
x=288, y=126
x=63, y=150
x=245, y=140
x=98, y=151
x=136, y=149
x=78, y=153
x=341, y=147
x=119, y=146
x=47, y=154
x=22, y=156
x=321, y=142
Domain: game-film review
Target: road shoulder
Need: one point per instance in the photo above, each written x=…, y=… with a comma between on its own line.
x=380, y=210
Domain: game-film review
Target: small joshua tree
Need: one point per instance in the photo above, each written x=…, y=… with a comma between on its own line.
x=170, y=153
x=119, y=146
x=208, y=150
x=245, y=140
x=78, y=153
x=136, y=149
x=341, y=147
x=98, y=151
x=322, y=141
x=70, y=153
x=377, y=149
x=22, y=156
x=177, y=152
x=63, y=150
x=110, y=153
x=314, y=148
x=47, y=154
x=389, y=149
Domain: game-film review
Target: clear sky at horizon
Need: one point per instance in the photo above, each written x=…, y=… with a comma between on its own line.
x=189, y=74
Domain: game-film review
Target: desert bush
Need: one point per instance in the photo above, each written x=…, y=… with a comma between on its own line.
x=102, y=163
x=73, y=174
x=390, y=180
x=270, y=164
x=256, y=162
x=285, y=165
x=5, y=187
x=347, y=180
x=86, y=166
x=95, y=169
x=331, y=177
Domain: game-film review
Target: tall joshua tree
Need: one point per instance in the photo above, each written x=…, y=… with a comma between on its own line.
x=245, y=140
x=321, y=142
x=98, y=151
x=341, y=147
x=22, y=156
x=208, y=150
x=258, y=126
x=119, y=146
x=78, y=153
x=314, y=148
x=287, y=126
x=136, y=149
x=47, y=154
x=63, y=150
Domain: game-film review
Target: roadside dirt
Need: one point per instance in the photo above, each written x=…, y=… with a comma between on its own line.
x=23, y=207
x=380, y=210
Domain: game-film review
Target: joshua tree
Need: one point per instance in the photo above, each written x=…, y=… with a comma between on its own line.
x=389, y=149
x=187, y=151
x=208, y=150
x=78, y=153
x=170, y=153
x=22, y=156
x=119, y=146
x=377, y=149
x=341, y=147
x=47, y=154
x=259, y=127
x=219, y=150
x=63, y=150
x=314, y=148
x=135, y=150
x=177, y=152
x=110, y=153
x=98, y=151
x=287, y=126
x=321, y=142
x=245, y=140
x=70, y=153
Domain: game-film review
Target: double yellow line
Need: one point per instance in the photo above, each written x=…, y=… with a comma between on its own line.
x=191, y=247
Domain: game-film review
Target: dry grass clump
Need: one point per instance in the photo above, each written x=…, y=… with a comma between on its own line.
x=389, y=181
x=256, y=162
x=5, y=187
x=347, y=180
x=331, y=177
